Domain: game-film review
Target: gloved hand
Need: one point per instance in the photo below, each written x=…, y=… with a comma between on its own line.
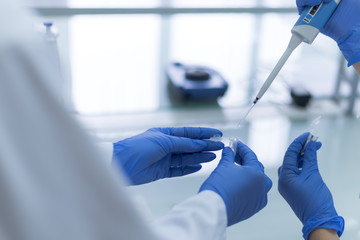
x=165, y=152
x=242, y=187
x=304, y=189
x=343, y=26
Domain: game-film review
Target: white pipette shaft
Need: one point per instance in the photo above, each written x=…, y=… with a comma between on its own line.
x=294, y=43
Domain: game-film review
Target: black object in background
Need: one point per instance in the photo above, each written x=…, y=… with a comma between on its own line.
x=300, y=96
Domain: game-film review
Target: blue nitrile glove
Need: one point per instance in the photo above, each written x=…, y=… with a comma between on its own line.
x=165, y=152
x=305, y=191
x=243, y=186
x=343, y=27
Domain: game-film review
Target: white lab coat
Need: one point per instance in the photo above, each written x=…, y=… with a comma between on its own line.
x=54, y=183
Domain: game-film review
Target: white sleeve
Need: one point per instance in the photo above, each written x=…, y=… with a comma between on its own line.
x=201, y=217
x=106, y=149
x=54, y=184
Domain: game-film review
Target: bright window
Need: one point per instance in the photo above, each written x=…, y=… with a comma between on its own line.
x=115, y=63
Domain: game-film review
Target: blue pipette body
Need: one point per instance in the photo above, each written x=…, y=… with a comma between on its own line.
x=313, y=19
x=308, y=26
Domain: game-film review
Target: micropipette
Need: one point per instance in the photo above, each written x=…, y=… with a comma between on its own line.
x=308, y=26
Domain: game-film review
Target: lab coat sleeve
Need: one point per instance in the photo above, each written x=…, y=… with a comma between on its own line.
x=201, y=217
x=106, y=149
x=54, y=184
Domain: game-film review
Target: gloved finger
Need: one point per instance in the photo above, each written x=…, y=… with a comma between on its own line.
x=187, y=145
x=227, y=157
x=182, y=160
x=301, y=4
x=268, y=184
x=263, y=203
x=248, y=157
x=311, y=2
x=310, y=157
x=191, y=132
x=213, y=145
x=280, y=172
x=182, y=171
x=292, y=153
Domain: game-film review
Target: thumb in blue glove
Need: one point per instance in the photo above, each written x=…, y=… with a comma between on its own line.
x=243, y=186
x=165, y=152
x=343, y=26
x=302, y=4
x=305, y=191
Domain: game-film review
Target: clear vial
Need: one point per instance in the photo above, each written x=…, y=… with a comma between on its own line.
x=313, y=133
x=233, y=144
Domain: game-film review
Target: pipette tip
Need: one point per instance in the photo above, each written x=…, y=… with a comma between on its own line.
x=242, y=121
x=256, y=100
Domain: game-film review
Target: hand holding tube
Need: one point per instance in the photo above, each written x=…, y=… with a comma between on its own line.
x=305, y=191
x=243, y=186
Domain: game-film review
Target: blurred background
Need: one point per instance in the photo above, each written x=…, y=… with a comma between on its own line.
x=115, y=57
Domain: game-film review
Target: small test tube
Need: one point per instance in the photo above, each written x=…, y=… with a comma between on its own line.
x=311, y=136
x=232, y=141
x=233, y=144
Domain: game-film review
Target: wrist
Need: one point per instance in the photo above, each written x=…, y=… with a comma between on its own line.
x=357, y=67
x=350, y=47
x=335, y=223
x=323, y=234
x=120, y=161
x=117, y=149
